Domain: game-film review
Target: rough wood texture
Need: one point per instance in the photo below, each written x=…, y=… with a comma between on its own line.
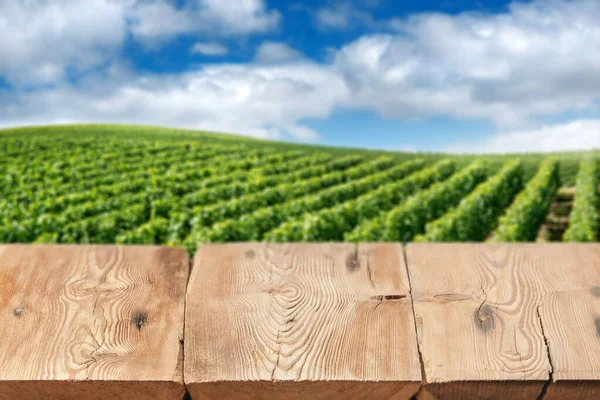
x=506, y=317
x=293, y=321
x=476, y=314
x=570, y=313
x=91, y=322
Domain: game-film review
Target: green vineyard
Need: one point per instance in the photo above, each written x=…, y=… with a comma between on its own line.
x=117, y=184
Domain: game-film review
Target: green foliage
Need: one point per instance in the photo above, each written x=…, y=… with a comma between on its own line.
x=477, y=213
x=206, y=216
x=583, y=221
x=408, y=219
x=330, y=224
x=253, y=226
x=525, y=216
x=152, y=232
x=107, y=184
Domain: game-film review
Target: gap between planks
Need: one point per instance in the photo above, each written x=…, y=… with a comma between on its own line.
x=412, y=305
x=187, y=395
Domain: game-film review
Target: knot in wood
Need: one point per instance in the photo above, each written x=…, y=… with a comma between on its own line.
x=19, y=312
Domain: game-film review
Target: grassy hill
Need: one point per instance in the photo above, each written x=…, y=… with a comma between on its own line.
x=138, y=184
x=569, y=160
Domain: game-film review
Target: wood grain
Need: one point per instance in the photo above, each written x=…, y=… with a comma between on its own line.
x=476, y=313
x=510, y=316
x=91, y=322
x=571, y=316
x=296, y=321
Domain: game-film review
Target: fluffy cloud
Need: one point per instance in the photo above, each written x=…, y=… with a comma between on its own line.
x=158, y=20
x=209, y=49
x=343, y=15
x=274, y=52
x=540, y=58
x=268, y=101
x=576, y=135
x=41, y=39
x=537, y=59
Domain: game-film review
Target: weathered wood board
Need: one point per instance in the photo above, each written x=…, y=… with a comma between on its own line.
x=91, y=322
x=499, y=321
x=570, y=314
x=319, y=321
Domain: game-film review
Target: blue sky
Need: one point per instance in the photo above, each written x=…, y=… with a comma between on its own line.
x=448, y=75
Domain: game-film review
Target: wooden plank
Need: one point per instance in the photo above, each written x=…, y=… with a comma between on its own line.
x=507, y=316
x=91, y=322
x=570, y=314
x=293, y=321
x=475, y=309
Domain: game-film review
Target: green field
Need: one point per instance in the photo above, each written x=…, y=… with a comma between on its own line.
x=124, y=184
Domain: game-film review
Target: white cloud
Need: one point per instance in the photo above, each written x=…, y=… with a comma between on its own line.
x=268, y=101
x=576, y=135
x=539, y=58
x=342, y=15
x=41, y=39
x=209, y=49
x=274, y=52
x=158, y=20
